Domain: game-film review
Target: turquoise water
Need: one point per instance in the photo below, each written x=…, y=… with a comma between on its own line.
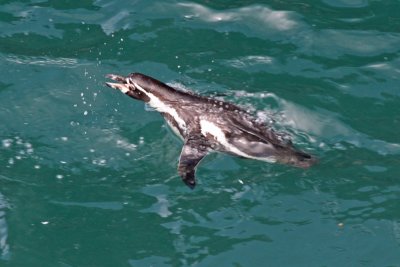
x=88, y=176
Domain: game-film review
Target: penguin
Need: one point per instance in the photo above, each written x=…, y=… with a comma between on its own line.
x=206, y=124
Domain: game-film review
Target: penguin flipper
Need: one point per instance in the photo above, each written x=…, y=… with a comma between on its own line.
x=194, y=150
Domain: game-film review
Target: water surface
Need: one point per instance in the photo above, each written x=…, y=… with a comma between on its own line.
x=88, y=176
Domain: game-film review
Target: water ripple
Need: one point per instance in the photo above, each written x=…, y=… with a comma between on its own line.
x=4, y=246
x=249, y=16
x=111, y=205
x=98, y=171
x=43, y=61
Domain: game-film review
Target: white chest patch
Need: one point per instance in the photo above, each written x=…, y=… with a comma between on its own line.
x=212, y=129
x=160, y=106
x=175, y=130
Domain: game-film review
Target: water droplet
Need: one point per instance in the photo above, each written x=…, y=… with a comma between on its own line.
x=59, y=176
x=7, y=142
x=100, y=162
x=85, y=113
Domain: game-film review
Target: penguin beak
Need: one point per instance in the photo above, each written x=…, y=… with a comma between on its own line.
x=123, y=86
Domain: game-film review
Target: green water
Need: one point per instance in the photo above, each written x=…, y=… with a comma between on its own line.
x=88, y=176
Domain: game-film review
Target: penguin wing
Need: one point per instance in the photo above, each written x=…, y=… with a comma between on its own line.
x=194, y=150
x=258, y=131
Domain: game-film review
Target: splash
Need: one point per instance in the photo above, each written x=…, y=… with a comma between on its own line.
x=18, y=149
x=279, y=20
x=322, y=128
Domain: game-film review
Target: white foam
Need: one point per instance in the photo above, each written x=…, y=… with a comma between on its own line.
x=122, y=143
x=279, y=20
x=7, y=142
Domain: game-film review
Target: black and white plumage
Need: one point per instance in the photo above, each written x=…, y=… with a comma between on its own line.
x=206, y=125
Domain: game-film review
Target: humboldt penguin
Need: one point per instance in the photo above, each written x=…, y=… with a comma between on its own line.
x=207, y=124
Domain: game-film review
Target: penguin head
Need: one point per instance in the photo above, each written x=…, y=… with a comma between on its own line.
x=128, y=85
